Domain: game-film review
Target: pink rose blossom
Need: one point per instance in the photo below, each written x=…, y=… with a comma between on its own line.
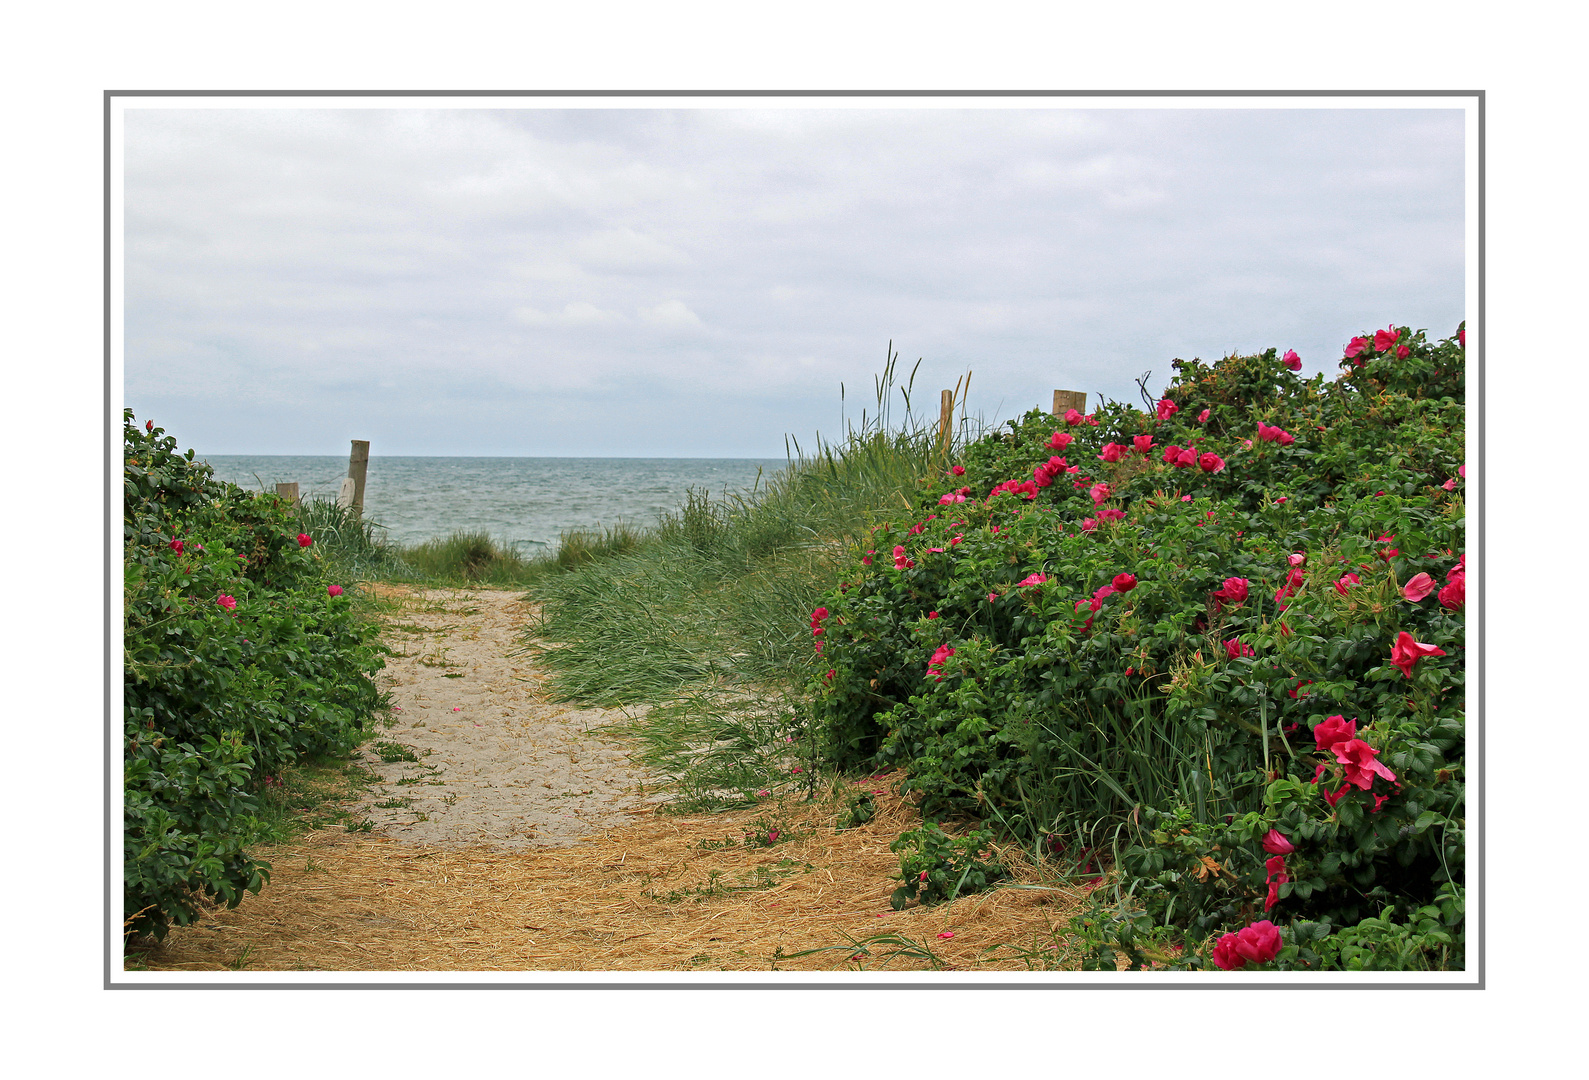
x=1346, y=582
x=1143, y=443
x=1167, y=409
x=1454, y=594
x=1088, y=524
x=1275, y=843
x=1124, y=582
x=227, y=602
x=1171, y=453
x=1418, y=588
x=1355, y=346
x=1407, y=652
x=1292, y=360
x=957, y=470
x=1202, y=417
x=1236, y=648
x=1211, y=463
x=1384, y=339
x=1233, y=591
x=1073, y=417
x=304, y=540
x=333, y=590
x=1031, y=579
x=1099, y=493
x=1403, y=351
x=1059, y=440
x=1334, y=729
x=175, y=545
x=1112, y=452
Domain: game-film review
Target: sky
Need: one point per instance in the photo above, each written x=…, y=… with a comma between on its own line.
x=700, y=282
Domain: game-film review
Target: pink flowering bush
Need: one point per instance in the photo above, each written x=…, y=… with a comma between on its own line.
x=1273, y=552
x=239, y=658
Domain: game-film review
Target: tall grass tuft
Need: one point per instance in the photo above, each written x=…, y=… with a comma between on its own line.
x=353, y=545
x=709, y=613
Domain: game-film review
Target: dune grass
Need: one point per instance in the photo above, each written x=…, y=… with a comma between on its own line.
x=707, y=617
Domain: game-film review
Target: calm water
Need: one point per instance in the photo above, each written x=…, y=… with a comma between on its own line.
x=525, y=501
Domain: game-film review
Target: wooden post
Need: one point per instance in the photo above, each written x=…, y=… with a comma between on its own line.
x=358, y=464
x=288, y=492
x=946, y=416
x=1065, y=400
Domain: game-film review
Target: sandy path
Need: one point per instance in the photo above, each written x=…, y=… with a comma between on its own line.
x=497, y=763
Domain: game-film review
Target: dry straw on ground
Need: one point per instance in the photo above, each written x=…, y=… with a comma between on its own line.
x=658, y=895
x=616, y=885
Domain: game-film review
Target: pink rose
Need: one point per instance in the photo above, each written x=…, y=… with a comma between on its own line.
x=175, y=545
x=1355, y=346
x=1143, y=443
x=227, y=602
x=304, y=540
x=1224, y=955
x=1099, y=493
x=1275, y=843
x=1407, y=652
x=1202, y=417
x=957, y=470
x=1292, y=360
x=1124, y=582
x=1454, y=594
x=1418, y=588
x=1384, y=339
x=1346, y=582
x=1403, y=351
x=1167, y=409
x=1211, y=463
x=1462, y=340
x=333, y=590
x=1233, y=591
x=1088, y=524
x=1235, y=648
x=1171, y=453
x=1112, y=452
x=1259, y=943
x=1073, y=417
x=1187, y=459
x=1361, y=764
x=1059, y=440
x=1333, y=730
x=1031, y=579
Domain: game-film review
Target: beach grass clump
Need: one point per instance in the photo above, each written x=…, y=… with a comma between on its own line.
x=706, y=615
x=355, y=545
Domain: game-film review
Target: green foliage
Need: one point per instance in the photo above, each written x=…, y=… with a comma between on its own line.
x=238, y=662
x=1065, y=655
x=936, y=866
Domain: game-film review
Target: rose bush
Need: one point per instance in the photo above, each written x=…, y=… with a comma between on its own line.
x=1281, y=551
x=239, y=658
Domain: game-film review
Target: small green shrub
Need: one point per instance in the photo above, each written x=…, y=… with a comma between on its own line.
x=937, y=867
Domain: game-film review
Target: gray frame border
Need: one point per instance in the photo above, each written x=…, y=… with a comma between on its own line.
x=1103, y=982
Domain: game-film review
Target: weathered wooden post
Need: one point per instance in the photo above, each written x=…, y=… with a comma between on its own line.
x=946, y=415
x=288, y=491
x=358, y=464
x=1065, y=400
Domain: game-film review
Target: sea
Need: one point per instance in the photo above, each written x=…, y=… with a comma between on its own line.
x=527, y=503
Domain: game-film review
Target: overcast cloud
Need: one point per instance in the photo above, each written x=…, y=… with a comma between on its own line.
x=698, y=283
